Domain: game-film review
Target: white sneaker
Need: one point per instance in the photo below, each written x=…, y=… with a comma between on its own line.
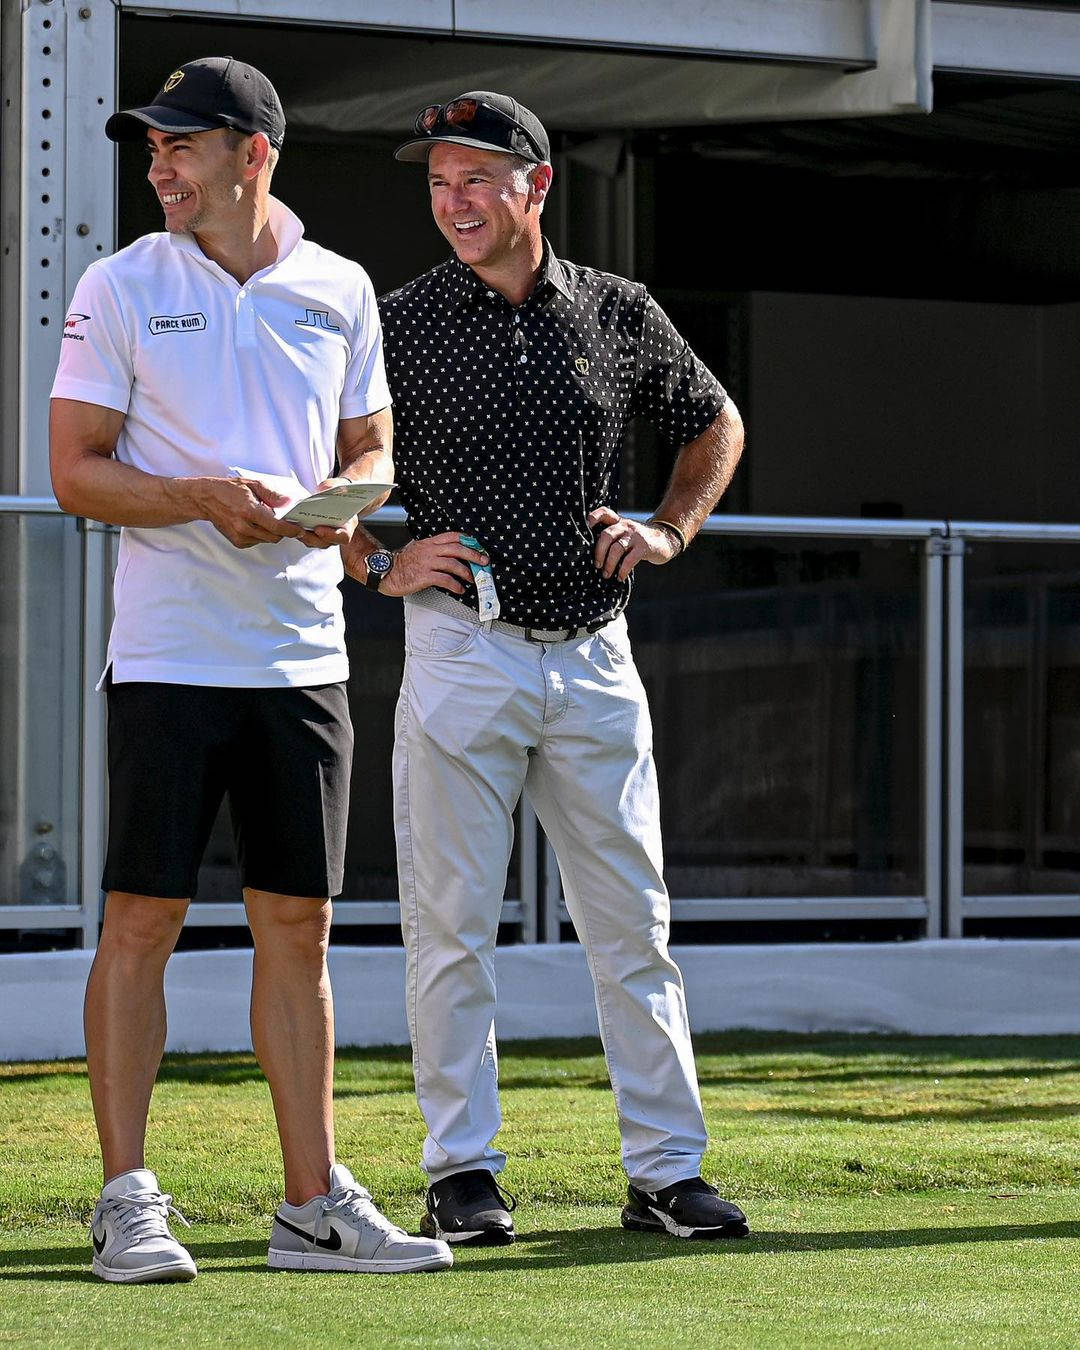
x=344, y=1231
x=130, y=1233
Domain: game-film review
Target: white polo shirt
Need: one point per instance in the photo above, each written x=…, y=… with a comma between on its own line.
x=211, y=373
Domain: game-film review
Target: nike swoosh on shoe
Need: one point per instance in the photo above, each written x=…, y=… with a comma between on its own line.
x=332, y=1243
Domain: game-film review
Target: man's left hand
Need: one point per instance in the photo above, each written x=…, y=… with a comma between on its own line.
x=329, y=536
x=622, y=544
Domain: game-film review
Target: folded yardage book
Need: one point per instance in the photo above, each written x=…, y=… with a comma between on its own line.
x=332, y=506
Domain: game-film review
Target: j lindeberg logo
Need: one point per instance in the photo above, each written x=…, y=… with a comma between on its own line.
x=177, y=323
x=317, y=318
x=71, y=323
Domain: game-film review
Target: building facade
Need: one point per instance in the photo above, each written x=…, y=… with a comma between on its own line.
x=865, y=215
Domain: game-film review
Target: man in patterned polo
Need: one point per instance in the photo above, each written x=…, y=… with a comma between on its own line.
x=514, y=376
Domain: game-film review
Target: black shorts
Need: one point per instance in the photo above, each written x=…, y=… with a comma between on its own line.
x=282, y=756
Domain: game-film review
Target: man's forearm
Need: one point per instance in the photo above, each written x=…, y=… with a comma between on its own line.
x=364, y=453
x=364, y=542
x=702, y=472
x=104, y=489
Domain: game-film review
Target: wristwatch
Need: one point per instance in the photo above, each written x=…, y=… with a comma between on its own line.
x=379, y=564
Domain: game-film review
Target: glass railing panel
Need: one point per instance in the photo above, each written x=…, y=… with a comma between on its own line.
x=1021, y=719
x=41, y=677
x=784, y=678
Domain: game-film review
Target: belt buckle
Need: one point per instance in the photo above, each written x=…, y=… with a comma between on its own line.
x=548, y=634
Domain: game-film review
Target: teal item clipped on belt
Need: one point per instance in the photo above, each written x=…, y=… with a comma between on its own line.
x=485, y=582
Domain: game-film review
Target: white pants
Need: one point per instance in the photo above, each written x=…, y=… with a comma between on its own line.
x=481, y=715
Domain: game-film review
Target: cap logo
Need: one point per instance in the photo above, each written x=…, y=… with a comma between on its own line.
x=173, y=80
x=581, y=364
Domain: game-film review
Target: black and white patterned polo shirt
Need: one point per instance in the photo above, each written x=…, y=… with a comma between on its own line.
x=509, y=421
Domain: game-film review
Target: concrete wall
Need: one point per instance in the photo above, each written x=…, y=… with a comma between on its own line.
x=972, y=987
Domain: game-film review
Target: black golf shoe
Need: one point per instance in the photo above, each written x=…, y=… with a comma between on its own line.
x=469, y=1208
x=686, y=1209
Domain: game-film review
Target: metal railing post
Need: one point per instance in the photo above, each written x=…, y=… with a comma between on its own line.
x=97, y=574
x=552, y=894
x=954, y=767
x=529, y=881
x=933, y=637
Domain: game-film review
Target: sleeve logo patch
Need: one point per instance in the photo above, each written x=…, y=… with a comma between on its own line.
x=71, y=323
x=177, y=323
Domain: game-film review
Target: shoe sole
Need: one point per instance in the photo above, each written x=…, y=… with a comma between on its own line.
x=658, y=1222
x=147, y=1275
x=483, y=1237
x=278, y=1260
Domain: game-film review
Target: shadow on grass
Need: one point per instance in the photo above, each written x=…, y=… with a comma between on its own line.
x=608, y=1246
x=48, y=1263
x=896, y=1057
x=551, y=1248
x=931, y=1068
x=945, y=1115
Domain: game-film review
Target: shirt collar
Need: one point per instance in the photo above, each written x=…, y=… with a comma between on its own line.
x=465, y=289
x=554, y=275
x=285, y=226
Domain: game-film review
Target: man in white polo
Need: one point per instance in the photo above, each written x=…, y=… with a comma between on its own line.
x=227, y=340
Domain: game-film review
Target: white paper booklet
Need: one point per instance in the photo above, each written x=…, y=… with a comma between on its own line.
x=331, y=506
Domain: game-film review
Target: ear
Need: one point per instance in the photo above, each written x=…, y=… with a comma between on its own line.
x=256, y=154
x=540, y=183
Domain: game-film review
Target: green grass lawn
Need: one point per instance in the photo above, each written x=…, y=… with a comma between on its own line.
x=902, y=1192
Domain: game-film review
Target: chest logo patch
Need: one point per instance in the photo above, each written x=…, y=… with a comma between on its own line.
x=581, y=365
x=177, y=323
x=317, y=318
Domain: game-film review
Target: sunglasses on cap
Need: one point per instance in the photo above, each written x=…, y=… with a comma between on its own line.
x=481, y=119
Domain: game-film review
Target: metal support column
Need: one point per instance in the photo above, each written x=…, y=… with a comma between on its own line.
x=66, y=221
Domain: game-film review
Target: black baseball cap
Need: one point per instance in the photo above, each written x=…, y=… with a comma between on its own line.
x=214, y=91
x=479, y=118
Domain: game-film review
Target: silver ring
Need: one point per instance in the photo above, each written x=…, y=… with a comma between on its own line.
x=625, y=541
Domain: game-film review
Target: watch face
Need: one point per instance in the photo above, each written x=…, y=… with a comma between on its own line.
x=378, y=564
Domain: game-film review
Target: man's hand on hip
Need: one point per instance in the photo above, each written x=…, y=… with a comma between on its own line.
x=443, y=560
x=622, y=544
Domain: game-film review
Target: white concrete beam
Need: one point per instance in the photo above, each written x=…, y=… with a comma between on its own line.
x=1006, y=40
x=961, y=988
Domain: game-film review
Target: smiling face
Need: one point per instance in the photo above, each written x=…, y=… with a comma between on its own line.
x=487, y=205
x=198, y=176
